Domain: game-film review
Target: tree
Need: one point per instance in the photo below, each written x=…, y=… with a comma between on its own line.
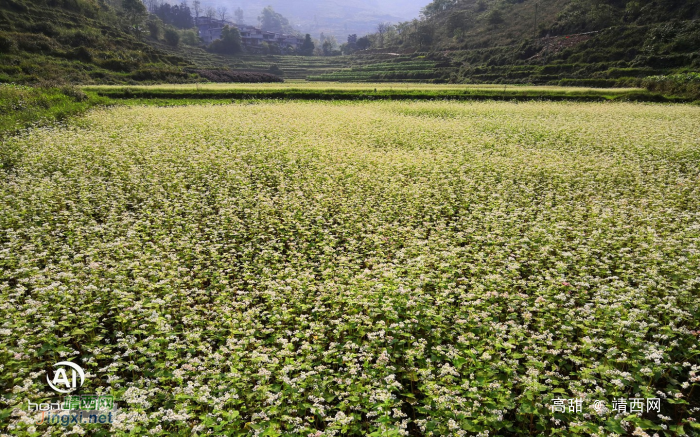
x=307, y=47
x=197, y=6
x=381, y=30
x=178, y=16
x=271, y=21
x=210, y=12
x=327, y=48
x=229, y=43
x=154, y=26
x=496, y=17
x=151, y=5
x=363, y=43
x=437, y=6
x=190, y=38
x=222, y=12
x=135, y=12
x=239, y=15
x=172, y=37
x=328, y=44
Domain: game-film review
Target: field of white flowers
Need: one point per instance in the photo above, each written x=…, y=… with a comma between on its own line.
x=371, y=268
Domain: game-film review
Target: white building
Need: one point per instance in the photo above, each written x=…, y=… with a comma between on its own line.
x=252, y=38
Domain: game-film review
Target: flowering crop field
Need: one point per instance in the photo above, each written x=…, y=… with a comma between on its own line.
x=357, y=268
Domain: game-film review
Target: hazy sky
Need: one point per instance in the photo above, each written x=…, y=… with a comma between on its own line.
x=336, y=17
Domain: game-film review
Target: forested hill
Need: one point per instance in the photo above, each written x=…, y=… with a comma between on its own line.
x=481, y=23
x=497, y=40
x=76, y=41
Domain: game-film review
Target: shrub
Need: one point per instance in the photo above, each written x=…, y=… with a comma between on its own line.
x=7, y=44
x=44, y=28
x=230, y=42
x=119, y=65
x=172, y=37
x=237, y=76
x=154, y=29
x=157, y=75
x=81, y=54
x=597, y=83
x=75, y=93
x=686, y=84
x=495, y=17
x=276, y=70
x=190, y=38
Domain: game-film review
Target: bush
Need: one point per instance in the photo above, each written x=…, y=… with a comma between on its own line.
x=237, y=76
x=44, y=28
x=118, y=65
x=81, y=54
x=495, y=17
x=35, y=43
x=156, y=75
x=686, y=84
x=172, y=37
x=75, y=93
x=7, y=44
x=190, y=38
x=597, y=83
x=230, y=42
x=154, y=29
x=276, y=70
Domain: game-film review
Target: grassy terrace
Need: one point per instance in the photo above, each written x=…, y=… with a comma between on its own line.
x=293, y=67
x=371, y=91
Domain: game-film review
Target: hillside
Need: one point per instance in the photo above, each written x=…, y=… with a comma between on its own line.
x=585, y=42
x=77, y=41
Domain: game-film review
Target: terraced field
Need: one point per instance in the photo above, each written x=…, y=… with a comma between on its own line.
x=293, y=67
x=401, y=69
x=357, y=268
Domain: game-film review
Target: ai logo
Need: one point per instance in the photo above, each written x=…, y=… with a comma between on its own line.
x=60, y=378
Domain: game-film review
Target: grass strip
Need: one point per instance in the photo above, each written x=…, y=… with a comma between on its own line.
x=339, y=94
x=24, y=106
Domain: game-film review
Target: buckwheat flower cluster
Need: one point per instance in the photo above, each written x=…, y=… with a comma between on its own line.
x=356, y=268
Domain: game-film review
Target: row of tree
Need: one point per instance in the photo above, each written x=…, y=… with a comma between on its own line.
x=166, y=18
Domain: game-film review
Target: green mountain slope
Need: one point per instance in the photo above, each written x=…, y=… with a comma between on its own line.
x=76, y=41
x=584, y=42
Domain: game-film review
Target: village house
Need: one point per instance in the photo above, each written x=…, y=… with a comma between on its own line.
x=252, y=38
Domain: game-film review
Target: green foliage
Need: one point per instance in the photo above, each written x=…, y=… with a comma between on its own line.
x=155, y=27
x=363, y=43
x=356, y=268
x=135, y=12
x=66, y=43
x=23, y=106
x=229, y=43
x=276, y=70
x=307, y=47
x=190, y=37
x=661, y=36
x=272, y=21
x=685, y=84
x=354, y=91
x=495, y=17
x=172, y=37
x=7, y=43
